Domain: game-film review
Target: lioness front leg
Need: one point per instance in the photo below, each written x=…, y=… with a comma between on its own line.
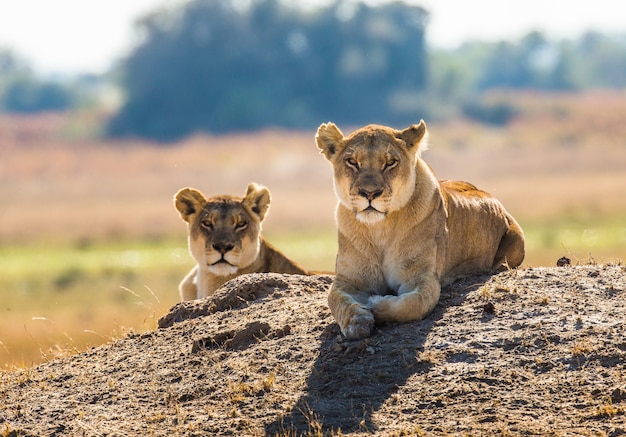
x=187, y=288
x=412, y=304
x=354, y=318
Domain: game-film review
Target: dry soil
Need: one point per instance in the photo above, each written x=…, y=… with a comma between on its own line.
x=527, y=352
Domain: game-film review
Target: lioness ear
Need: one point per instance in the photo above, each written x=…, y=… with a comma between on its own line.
x=329, y=140
x=415, y=137
x=257, y=199
x=188, y=202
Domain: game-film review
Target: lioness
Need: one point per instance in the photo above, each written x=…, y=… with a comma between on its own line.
x=225, y=239
x=402, y=233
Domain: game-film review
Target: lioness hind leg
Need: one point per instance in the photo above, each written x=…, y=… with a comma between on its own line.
x=511, y=250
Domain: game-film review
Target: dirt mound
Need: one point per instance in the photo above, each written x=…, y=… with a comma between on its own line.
x=528, y=352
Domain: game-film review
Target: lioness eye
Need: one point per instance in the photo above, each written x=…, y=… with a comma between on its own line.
x=207, y=225
x=351, y=162
x=241, y=225
x=391, y=164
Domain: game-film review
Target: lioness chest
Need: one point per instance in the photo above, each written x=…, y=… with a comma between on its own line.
x=394, y=255
x=388, y=262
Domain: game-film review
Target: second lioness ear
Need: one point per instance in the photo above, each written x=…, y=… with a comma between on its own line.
x=415, y=137
x=257, y=199
x=329, y=140
x=188, y=202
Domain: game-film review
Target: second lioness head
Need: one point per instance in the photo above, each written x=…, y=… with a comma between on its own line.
x=224, y=231
x=374, y=166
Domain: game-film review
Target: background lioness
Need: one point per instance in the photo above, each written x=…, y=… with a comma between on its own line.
x=403, y=234
x=225, y=239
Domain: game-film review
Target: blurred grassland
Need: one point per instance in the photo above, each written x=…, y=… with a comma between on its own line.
x=59, y=298
x=91, y=246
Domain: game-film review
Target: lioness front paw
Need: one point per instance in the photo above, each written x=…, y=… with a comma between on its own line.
x=383, y=307
x=359, y=325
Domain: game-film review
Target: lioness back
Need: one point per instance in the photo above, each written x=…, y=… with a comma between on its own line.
x=496, y=242
x=402, y=233
x=225, y=239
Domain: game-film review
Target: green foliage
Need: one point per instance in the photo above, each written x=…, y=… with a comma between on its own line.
x=600, y=60
x=21, y=92
x=534, y=62
x=10, y=64
x=220, y=66
x=217, y=66
x=30, y=96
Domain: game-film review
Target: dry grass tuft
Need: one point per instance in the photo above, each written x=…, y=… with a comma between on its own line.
x=608, y=410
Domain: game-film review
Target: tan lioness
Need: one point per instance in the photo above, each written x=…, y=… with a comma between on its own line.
x=402, y=233
x=225, y=239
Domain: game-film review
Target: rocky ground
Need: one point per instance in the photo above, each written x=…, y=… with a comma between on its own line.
x=529, y=352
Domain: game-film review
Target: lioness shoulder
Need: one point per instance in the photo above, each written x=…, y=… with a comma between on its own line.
x=225, y=239
x=402, y=233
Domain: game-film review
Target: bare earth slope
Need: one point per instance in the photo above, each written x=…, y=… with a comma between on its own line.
x=530, y=352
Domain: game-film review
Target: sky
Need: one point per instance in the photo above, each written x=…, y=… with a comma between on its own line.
x=86, y=36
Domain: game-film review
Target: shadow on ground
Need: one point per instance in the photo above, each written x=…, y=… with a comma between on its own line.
x=351, y=380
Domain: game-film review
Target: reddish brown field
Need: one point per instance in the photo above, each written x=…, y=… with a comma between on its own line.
x=559, y=168
x=563, y=157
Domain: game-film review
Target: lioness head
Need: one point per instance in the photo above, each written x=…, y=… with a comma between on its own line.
x=374, y=166
x=224, y=231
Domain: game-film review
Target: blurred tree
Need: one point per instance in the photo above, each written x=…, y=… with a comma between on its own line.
x=30, y=96
x=22, y=92
x=601, y=60
x=522, y=65
x=10, y=64
x=562, y=77
x=219, y=65
x=534, y=62
x=505, y=67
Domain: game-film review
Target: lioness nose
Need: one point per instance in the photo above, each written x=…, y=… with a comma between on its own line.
x=222, y=247
x=370, y=194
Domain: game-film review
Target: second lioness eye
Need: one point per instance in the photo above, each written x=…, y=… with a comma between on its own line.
x=391, y=164
x=207, y=224
x=351, y=162
x=241, y=225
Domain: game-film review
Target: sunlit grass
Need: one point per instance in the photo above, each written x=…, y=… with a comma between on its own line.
x=57, y=299
x=71, y=297
x=314, y=250
x=23, y=260
x=63, y=299
x=582, y=238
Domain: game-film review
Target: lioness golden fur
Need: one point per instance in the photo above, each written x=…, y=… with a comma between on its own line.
x=225, y=239
x=402, y=233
